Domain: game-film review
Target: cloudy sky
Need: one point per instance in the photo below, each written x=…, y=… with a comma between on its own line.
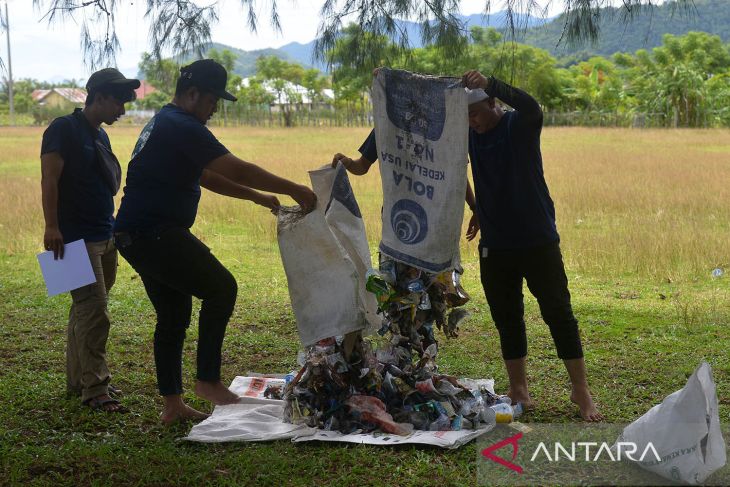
x=52, y=52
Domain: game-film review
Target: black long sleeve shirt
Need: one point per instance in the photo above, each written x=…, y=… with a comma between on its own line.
x=513, y=202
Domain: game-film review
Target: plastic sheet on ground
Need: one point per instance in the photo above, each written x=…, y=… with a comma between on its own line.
x=443, y=439
x=257, y=418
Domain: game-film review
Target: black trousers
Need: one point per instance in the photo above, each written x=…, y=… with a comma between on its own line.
x=502, y=273
x=175, y=266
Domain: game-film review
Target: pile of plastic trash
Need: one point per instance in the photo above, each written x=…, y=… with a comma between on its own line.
x=413, y=301
x=346, y=386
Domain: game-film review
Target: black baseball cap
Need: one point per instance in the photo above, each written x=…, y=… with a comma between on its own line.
x=110, y=77
x=209, y=75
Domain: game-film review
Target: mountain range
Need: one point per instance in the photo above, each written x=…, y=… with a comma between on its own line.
x=643, y=31
x=303, y=53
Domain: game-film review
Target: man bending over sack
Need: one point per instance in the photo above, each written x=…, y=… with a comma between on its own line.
x=175, y=155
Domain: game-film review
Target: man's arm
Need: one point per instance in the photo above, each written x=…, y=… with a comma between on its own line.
x=473, y=227
x=470, y=199
x=369, y=154
x=357, y=167
x=219, y=184
x=250, y=175
x=51, y=169
x=528, y=108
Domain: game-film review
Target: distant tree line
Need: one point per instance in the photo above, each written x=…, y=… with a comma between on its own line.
x=685, y=82
x=275, y=82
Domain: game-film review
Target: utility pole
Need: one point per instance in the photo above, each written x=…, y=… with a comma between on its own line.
x=10, y=68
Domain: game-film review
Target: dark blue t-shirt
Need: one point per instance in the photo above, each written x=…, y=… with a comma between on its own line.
x=85, y=201
x=163, y=179
x=369, y=149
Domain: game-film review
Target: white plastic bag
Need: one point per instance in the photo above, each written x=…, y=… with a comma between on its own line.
x=326, y=256
x=684, y=430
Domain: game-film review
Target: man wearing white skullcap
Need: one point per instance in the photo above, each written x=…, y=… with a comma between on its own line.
x=519, y=240
x=475, y=96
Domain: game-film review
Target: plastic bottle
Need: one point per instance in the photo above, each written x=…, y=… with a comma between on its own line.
x=503, y=412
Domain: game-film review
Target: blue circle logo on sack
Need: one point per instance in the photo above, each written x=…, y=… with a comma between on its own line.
x=409, y=221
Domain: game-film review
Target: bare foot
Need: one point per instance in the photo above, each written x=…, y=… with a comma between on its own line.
x=180, y=412
x=588, y=410
x=215, y=392
x=522, y=397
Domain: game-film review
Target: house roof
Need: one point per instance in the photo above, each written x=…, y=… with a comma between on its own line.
x=38, y=95
x=144, y=89
x=74, y=95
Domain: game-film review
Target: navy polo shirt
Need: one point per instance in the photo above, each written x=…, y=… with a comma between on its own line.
x=85, y=202
x=163, y=180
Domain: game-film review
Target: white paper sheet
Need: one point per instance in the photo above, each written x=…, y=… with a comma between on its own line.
x=71, y=272
x=256, y=418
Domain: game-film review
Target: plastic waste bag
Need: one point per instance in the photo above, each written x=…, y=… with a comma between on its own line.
x=684, y=430
x=326, y=256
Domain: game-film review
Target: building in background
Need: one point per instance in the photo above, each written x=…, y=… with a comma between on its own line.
x=60, y=97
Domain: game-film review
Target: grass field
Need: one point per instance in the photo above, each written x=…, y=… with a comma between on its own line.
x=644, y=218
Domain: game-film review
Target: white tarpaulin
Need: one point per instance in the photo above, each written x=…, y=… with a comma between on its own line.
x=259, y=419
x=254, y=419
x=421, y=129
x=326, y=257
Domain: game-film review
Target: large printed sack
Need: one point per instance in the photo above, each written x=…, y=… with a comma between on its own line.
x=421, y=129
x=326, y=257
x=684, y=430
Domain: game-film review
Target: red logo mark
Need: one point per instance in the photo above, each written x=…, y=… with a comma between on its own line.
x=257, y=385
x=512, y=440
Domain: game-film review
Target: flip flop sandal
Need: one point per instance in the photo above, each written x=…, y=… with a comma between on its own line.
x=98, y=404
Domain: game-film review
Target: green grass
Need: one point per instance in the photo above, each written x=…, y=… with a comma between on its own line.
x=645, y=328
x=639, y=349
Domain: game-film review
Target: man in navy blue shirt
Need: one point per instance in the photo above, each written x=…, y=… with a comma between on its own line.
x=519, y=237
x=519, y=240
x=175, y=155
x=78, y=204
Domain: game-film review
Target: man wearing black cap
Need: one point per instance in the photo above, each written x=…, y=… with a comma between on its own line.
x=175, y=155
x=80, y=177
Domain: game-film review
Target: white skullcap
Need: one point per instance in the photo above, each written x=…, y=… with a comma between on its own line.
x=475, y=96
